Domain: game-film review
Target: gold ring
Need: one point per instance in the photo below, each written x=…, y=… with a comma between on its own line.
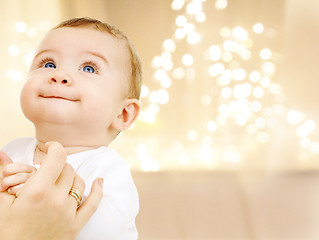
x=76, y=194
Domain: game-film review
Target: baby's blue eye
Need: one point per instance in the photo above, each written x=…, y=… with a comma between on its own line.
x=88, y=69
x=49, y=65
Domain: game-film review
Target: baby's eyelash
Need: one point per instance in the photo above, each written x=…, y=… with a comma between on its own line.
x=44, y=61
x=92, y=64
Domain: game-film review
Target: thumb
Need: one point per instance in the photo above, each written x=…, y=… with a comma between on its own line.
x=86, y=210
x=4, y=158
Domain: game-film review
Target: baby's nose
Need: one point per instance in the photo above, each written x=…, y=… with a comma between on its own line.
x=62, y=81
x=60, y=77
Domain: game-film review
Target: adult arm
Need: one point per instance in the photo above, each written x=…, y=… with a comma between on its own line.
x=44, y=209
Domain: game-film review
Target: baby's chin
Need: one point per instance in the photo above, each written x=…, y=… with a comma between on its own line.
x=51, y=115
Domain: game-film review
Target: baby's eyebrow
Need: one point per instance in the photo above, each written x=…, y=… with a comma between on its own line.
x=43, y=51
x=99, y=56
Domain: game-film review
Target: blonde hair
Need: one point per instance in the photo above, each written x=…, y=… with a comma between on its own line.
x=136, y=65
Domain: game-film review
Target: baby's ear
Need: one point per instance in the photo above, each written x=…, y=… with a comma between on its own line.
x=130, y=110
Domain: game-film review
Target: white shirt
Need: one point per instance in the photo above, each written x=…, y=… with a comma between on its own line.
x=115, y=217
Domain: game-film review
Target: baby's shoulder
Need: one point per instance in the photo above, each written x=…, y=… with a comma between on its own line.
x=102, y=160
x=20, y=142
x=21, y=149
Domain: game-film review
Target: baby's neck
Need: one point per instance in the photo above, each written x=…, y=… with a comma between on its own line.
x=40, y=151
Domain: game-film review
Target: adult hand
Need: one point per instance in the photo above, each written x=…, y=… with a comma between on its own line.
x=44, y=209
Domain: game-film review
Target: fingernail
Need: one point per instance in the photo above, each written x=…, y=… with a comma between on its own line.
x=100, y=182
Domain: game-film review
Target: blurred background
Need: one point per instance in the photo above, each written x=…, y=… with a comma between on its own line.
x=227, y=143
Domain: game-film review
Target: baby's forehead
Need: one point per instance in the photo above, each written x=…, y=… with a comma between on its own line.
x=88, y=33
x=85, y=37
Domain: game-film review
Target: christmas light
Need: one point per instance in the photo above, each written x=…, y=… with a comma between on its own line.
x=246, y=94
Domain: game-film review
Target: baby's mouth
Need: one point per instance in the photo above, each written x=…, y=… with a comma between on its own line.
x=58, y=97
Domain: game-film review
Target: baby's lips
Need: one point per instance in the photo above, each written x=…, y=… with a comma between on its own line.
x=58, y=97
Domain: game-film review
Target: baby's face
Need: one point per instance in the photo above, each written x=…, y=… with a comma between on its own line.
x=79, y=76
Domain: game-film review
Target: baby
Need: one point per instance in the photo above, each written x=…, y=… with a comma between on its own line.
x=82, y=90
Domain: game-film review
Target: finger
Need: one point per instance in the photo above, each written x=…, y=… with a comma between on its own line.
x=66, y=178
x=4, y=158
x=78, y=185
x=13, y=180
x=90, y=205
x=52, y=164
x=15, y=168
x=15, y=190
